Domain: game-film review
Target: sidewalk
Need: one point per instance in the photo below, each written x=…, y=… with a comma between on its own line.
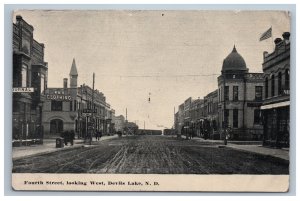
x=49, y=146
x=250, y=146
x=259, y=149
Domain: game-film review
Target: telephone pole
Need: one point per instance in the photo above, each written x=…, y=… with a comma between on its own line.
x=92, y=116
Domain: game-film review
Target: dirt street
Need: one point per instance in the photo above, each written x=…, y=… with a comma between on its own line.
x=152, y=154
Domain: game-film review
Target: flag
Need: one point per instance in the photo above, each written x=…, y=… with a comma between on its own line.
x=266, y=35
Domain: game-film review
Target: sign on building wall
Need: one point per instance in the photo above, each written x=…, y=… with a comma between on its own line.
x=89, y=110
x=58, y=97
x=23, y=89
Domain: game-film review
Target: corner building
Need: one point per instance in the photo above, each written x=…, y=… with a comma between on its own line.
x=71, y=107
x=240, y=98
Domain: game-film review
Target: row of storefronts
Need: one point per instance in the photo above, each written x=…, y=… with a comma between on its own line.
x=255, y=106
x=40, y=111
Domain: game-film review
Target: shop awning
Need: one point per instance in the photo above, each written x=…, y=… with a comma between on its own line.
x=275, y=105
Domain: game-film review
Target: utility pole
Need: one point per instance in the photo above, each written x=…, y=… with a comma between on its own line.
x=93, y=107
x=225, y=115
x=80, y=115
x=126, y=128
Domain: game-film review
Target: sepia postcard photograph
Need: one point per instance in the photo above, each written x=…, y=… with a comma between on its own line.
x=151, y=100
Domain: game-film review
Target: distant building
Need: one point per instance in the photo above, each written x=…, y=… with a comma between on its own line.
x=240, y=98
x=211, y=115
x=187, y=115
x=130, y=128
x=276, y=101
x=196, y=116
x=30, y=73
x=119, y=123
x=180, y=119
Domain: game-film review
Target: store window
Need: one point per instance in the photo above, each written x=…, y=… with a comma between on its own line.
x=256, y=116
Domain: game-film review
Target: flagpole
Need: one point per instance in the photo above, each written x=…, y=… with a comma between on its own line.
x=273, y=44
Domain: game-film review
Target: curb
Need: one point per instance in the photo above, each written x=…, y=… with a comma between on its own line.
x=77, y=145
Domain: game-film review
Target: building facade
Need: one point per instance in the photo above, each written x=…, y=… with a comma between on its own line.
x=210, y=124
x=77, y=108
x=276, y=99
x=30, y=73
x=235, y=104
x=240, y=98
x=119, y=123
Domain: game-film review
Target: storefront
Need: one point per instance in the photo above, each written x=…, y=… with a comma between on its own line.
x=276, y=124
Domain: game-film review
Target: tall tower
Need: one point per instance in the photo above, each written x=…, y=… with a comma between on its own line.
x=73, y=75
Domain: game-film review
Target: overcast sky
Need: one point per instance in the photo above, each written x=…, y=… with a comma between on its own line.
x=171, y=55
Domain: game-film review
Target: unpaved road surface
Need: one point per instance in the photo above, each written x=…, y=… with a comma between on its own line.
x=151, y=154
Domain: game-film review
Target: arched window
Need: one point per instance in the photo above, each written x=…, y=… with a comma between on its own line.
x=287, y=79
x=56, y=126
x=266, y=88
x=272, y=85
x=279, y=83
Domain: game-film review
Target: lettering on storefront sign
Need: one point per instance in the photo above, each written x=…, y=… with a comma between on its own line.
x=59, y=97
x=23, y=89
x=89, y=110
x=286, y=92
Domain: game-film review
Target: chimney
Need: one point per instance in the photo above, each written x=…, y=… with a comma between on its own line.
x=265, y=54
x=19, y=18
x=277, y=41
x=286, y=37
x=65, y=83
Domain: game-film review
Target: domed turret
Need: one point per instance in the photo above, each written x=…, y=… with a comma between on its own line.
x=234, y=62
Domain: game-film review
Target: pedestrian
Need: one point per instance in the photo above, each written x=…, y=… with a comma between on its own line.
x=100, y=134
x=72, y=137
x=67, y=137
x=97, y=135
x=227, y=134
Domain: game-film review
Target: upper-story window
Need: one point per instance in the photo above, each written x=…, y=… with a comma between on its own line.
x=56, y=105
x=24, y=75
x=272, y=85
x=287, y=79
x=226, y=93
x=42, y=83
x=235, y=93
x=258, y=93
x=266, y=87
x=279, y=83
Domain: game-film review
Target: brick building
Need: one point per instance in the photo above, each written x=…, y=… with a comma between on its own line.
x=211, y=121
x=240, y=98
x=276, y=99
x=76, y=108
x=30, y=73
